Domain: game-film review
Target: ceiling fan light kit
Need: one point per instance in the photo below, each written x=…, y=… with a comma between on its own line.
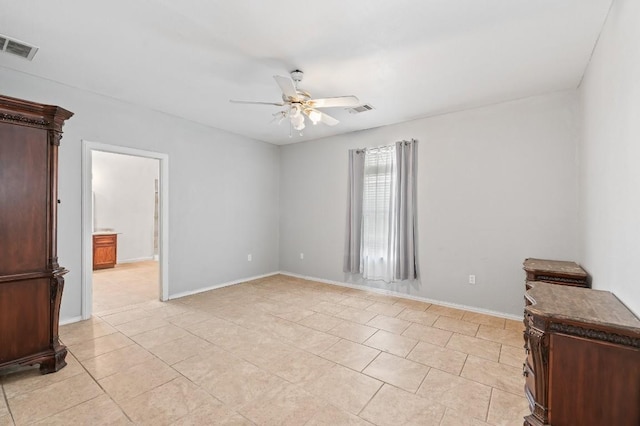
x=299, y=103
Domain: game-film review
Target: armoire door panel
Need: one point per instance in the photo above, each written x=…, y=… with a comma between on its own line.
x=24, y=307
x=23, y=199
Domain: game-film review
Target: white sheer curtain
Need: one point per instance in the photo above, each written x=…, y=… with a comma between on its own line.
x=378, y=215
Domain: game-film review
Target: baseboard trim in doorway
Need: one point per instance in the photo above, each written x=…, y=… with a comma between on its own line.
x=214, y=287
x=137, y=259
x=407, y=296
x=70, y=320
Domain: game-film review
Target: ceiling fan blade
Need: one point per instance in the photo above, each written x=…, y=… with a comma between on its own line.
x=338, y=101
x=256, y=103
x=286, y=85
x=327, y=119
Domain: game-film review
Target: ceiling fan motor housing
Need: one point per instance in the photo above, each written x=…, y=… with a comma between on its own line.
x=296, y=75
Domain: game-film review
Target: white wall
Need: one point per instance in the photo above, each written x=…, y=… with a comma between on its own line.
x=223, y=190
x=124, y=193
x=610, y=154
x=495, y=185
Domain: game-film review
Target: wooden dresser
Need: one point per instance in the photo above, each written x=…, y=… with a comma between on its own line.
x=31, y=280
x=556, y=272
x=105, y=250
x=582, y=363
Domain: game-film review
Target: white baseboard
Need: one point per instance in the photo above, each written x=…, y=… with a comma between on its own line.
x=407, y=296
x=216, y=286
x=136, y=259
x=70, y=320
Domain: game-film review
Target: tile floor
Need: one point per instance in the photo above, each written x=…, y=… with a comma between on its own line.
x=275, y=351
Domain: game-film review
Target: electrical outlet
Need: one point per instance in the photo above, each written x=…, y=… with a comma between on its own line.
x=249, y=258
x=472, y=279
x=301, y=255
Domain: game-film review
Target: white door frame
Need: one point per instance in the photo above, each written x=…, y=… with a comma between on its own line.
x=87, y=219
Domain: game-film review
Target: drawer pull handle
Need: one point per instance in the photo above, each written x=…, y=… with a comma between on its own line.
x=525, y=373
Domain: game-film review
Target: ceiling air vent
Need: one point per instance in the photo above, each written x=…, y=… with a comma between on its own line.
x=360, y=108
x=16, y=47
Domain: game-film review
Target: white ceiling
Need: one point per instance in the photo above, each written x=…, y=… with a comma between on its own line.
x=408, y=58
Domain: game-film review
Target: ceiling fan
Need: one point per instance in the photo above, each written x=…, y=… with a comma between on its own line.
x=299, y=103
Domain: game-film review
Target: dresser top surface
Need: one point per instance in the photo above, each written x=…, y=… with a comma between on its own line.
x=601, y=308
x=556, y=266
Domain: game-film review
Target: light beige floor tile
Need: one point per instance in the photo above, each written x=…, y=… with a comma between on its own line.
x=320, y=321
x=299, y=366
x=180, y=349
x=81, y=331
x=296, y=315
x=510, y=355
x=98, y=346
x=456, y=418
x=141, y=325
x=136, y=380
x=393, y=325
x=414, y=305
x=328, y=308
x=420, y=317
x=167, y=403
x=283, y=405
x=490, y=373
x=456, y=325
x=428, y=334
x=159, y=336
x=227, y=377
x=125, y=316
x=507, y=409
x=474, y=346
x=314, y=341
x=506, y=337
x=383, y=308
x=392, y=406
x=344, y=388
x=356, y=315
x=485, y=319
x=349, y=354
x=190, y=318
x=212, y=414
x=110, y=363
x=333, y=416
x=52, y=399
x=397, y=371
x=99, y=411
x=457, y=393
x=6, y=420
x=356, y=302
x=392, y=343
x=4, y=410
x=446, y=311
x=514, y=325
x=436, y=356
x=383, y=298
x=29, y=379
x=351, y=331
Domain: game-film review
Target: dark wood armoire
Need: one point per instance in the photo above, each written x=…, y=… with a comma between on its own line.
x=31, y=280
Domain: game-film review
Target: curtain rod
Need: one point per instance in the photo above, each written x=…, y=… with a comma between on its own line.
x=364, y=150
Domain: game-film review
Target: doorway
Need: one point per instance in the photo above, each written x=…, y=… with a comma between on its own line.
x=124, y=211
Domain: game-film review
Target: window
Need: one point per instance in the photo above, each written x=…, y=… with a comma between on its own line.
x=377, y=213
x=380, y=241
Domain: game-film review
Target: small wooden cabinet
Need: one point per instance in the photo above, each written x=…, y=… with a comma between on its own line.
x=582, y=363
x=556, y=272
x=105, y=250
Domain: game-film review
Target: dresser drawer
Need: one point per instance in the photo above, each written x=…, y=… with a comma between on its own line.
x=104, y=239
